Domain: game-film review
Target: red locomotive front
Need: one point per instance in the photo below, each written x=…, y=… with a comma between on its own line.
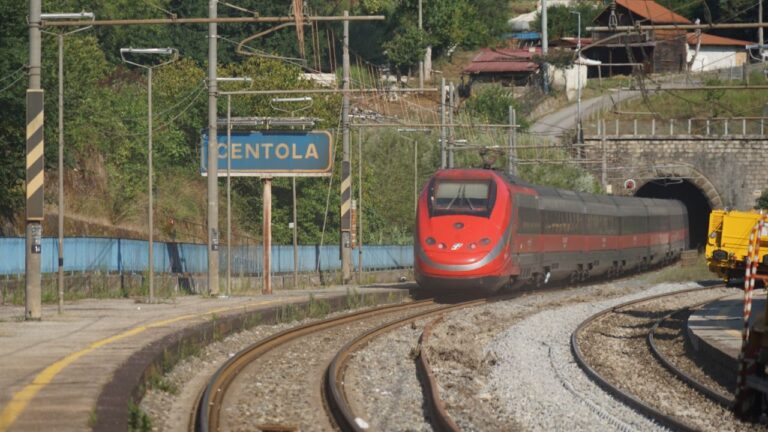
x=463, y=231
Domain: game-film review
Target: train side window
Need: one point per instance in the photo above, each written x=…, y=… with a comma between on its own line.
x=530, y=221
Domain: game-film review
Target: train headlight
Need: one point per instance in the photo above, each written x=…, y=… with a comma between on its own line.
x=430, y=241
x=485, y=241
x=472, y=246
x=441, y=246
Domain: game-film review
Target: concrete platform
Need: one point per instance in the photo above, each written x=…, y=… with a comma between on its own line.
x=715, y=332
x=73, y=371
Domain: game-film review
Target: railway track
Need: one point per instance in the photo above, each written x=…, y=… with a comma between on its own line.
x=346, y=418
x=215, y=403
x=618, y=349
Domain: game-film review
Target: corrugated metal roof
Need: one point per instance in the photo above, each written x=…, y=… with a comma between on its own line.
x=500, y=67
x=708, y=39
x=503, y=60
x=653, y=11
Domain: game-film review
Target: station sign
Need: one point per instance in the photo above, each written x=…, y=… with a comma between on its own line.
x=271, y=153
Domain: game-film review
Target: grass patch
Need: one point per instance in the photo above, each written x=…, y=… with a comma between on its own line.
x=697, y=271
x=138, y=420
x=317, y=308
x=702, y=103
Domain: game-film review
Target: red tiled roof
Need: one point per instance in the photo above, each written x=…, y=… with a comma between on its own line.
x=656, y=13
x=708, y=39
x=503, y=60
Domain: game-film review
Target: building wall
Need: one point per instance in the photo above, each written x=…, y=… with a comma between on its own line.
x=730, y=172
x=669, y=54
x=716, y=57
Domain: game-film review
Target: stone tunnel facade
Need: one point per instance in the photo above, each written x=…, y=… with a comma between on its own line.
x=730, y=171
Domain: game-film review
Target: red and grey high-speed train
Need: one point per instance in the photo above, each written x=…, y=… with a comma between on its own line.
x=481, y=229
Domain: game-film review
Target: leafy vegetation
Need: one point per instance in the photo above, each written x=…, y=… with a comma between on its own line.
x=762, y=201
x=106, y=128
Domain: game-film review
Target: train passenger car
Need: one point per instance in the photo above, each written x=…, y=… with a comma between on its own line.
x=479, y=229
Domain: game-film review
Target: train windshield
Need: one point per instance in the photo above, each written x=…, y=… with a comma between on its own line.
x=470, y=197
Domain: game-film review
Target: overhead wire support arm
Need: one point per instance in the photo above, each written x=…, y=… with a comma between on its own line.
x=225, y=20
x=641, y=27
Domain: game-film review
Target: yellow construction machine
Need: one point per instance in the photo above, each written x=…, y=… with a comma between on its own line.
x=728, y=243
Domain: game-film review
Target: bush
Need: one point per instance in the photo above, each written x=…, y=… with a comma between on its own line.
x=491, y=104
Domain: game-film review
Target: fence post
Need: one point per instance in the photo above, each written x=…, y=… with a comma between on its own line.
x=671, y=126
x=617, y=127
x=725, y=130
x=707, y=127
x=689, y=126
x=653, y=126
x=744, y=124
x=635, y=127
x=762, y=129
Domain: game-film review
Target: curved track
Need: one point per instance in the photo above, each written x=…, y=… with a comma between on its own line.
x=716, y=396
x=208, y=410
x=625, y=396
x=345, y=417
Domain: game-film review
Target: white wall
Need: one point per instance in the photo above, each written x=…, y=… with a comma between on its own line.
x=568, y=79
x=714, y=57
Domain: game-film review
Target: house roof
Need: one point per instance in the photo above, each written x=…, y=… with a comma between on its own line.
x=652, y=11
x=709, y=40
x=503, y=60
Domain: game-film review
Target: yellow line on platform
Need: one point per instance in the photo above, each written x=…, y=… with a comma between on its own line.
x=21, y=399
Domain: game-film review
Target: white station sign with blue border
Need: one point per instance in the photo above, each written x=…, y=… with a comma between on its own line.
x=272, y=153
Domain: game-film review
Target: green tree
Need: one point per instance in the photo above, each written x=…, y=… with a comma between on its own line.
x=406, y=48
x=490, y=103
x=762, y=201
x=562, y=22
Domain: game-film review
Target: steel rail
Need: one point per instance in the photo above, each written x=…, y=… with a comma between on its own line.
x=209, y=404
x=333, y=390
x=441, y=420
x=602, y=382
x=714, y=395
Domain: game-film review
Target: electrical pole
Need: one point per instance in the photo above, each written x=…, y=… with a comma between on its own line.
x=544, y=46
x=451, y=137
x=442, y=124
x=512, y=155
x=60, y=39
x=421, y=59
x=760, y=31
x=213, y=171
x=346, y=175
x=35, y=166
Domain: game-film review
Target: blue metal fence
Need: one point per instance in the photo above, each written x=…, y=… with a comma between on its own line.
x=86, y=254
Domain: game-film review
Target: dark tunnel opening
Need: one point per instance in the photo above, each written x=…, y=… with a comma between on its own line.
x=690, y=195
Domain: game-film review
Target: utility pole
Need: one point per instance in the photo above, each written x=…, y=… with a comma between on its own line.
x=451, y=137
x=346, y=175
x=421, y=59
x=760, y=31
x=512, y=155
x=35, y=166
x=579, y=130
x=544, y=46
x=60, y=39
x=442, y=124
x=213, y=171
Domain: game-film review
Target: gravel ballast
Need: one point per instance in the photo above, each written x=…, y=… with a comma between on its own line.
x=501, y=366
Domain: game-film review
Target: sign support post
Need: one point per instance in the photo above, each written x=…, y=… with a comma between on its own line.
x=266, y=286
